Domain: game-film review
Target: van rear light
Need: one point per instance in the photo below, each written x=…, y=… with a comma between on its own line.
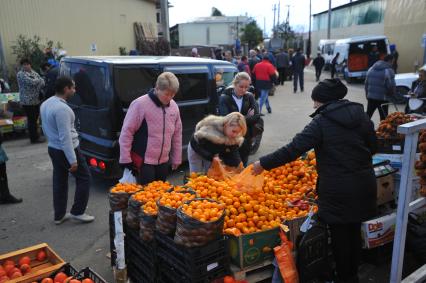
x=101, y=165
x=93, y=162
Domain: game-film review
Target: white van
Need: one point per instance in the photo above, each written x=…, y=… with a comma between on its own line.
x=354, y=54
x=326, y=48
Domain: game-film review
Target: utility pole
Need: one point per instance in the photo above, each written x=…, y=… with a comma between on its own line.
x=308, y=49
x=279, y=10
x=3, y=63
x=164, y=11
x=329, y=20
x=273, y=27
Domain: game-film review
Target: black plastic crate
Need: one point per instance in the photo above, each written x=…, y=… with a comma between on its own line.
x=87, y=272
x=140, y=272
x=135, y=244
x=198, y=261
x=168, y=274
x=392, y=145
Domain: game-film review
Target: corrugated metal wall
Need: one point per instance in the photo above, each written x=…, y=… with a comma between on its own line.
x=405, y=25
x=77, y=24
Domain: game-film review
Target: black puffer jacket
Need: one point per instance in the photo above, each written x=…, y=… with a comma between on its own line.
x=344, y=141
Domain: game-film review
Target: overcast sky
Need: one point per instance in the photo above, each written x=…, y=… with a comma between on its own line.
x=261, y=10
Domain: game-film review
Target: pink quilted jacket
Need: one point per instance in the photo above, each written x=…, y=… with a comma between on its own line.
x=159, y=130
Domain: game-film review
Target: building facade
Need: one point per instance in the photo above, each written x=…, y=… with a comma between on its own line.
x=95, y=27
x=211, y=31
x=405, y=26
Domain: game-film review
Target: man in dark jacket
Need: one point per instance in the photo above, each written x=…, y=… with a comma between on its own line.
x=380, y=86
x=51, y=75
x=344, y=141
x=373, y=56
x=319, y=63
x=298, y=61
x=283, y=60
x=247, y=107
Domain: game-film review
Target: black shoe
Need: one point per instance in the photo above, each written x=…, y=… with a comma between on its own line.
x=294, y=91
x=302, y=90
x=270, y=110
x=10, y=200
x=39, y=140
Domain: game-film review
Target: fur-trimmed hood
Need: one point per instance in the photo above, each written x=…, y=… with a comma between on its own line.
x=211, y=128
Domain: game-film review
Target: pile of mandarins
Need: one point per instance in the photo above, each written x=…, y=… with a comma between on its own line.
x=204, y=210
x=175, y=199
x=126, y=188
x=288, y=192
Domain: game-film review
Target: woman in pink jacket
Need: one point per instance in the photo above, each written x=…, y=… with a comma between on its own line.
x=151, y=136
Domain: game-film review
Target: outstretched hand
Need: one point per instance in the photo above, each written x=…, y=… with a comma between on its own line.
x=257, y=168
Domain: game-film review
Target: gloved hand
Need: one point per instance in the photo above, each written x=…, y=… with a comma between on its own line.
x=130, y=166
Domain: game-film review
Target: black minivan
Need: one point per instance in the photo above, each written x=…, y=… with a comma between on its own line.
x=105, y=87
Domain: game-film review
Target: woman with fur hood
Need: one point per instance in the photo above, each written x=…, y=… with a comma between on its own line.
x=216, y=135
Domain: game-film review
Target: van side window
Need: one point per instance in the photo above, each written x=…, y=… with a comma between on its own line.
x=194, y=86
x=132, y=82
x=91, y=86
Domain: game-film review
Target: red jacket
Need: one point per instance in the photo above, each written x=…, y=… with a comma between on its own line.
x=151, y=131
x=264, y=72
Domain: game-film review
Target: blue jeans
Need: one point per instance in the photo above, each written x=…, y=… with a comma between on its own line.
x=60, y=183
x=298, y=75
x=264, y=93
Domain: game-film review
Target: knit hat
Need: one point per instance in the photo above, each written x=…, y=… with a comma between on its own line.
x=329, y=90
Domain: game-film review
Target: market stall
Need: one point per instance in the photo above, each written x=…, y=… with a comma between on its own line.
x=12, y=116
x=221, y=224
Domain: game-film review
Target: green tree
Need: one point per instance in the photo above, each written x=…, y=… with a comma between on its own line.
x=216, y=12
x=252, y=34
x=33, y=49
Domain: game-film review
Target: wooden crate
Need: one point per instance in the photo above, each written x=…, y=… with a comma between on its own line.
x=39, y=269
x=257, y=273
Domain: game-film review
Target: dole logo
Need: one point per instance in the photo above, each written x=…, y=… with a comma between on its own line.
x=374, y=227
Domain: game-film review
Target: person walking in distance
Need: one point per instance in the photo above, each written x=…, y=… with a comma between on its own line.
x=298, y=68
x=30, y=84
x=264, y=74
x=282, y=59
x=319, y=63
x=379, y=86
x=63, y=148
x=333, y=64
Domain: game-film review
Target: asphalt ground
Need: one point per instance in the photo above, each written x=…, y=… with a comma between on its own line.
x=30, y=176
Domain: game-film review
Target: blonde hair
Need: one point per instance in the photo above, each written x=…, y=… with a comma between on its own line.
x=167, y=81
x=241, y=76
x=236, y=119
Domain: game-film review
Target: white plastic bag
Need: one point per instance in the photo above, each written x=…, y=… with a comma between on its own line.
x=128, y=177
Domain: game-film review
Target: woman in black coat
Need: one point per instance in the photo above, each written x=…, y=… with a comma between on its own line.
x=237, y=99
x=344, y=141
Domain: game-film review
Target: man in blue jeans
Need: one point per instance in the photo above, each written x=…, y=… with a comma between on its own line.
x=58, y=126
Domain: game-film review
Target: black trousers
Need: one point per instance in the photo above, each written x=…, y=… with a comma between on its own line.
x=298, y=76
x=333, y=70
x=32, y=112
x=60, y=183
x=282, y=75
x=149, y=173
x=318, y=73
x=373, y=104
x=4, y=186
x=346, y=247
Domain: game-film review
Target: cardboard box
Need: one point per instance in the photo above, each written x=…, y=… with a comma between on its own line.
x=379, y=231
x=251, y=249
x=39, y=269
x=385, y=189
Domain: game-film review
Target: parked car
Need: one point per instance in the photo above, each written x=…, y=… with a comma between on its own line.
x=404, y=81
x=354, y=54
x=105, y=87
